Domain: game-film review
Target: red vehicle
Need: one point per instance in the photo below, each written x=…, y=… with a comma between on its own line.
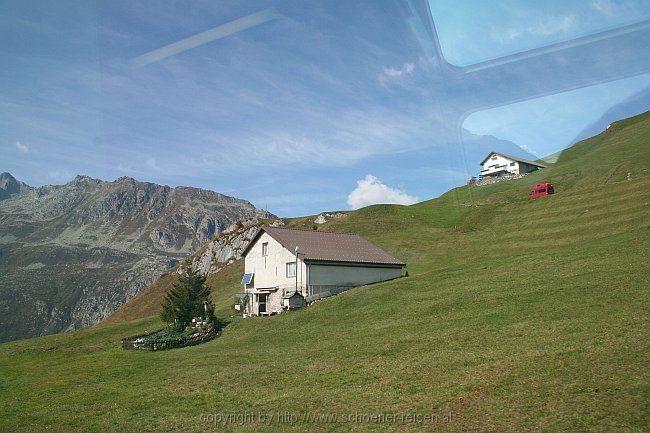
x=541, y=190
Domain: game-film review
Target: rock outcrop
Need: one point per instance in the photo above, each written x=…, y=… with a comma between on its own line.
x=224, y=249
x=323, y=218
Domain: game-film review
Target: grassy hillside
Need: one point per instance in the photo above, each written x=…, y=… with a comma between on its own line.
x=518, y=314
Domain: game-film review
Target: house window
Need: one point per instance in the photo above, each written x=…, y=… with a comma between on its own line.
x=291, y=269
x=512, y=164
x=494, y=158
x=265, y=248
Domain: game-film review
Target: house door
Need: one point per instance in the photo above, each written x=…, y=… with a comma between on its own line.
x=261, y=303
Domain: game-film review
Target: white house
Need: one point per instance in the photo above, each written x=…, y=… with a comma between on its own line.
x=498, y=164
x=288, y=268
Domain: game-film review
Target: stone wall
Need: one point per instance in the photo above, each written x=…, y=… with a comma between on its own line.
x=492, y=180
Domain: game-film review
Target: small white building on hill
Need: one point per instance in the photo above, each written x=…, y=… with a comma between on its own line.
x=499, y=164
x=287, y=268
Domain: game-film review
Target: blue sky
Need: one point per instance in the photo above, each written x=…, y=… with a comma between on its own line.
x=318, y=106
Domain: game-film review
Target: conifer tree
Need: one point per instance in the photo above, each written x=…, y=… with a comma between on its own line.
x=189, y=297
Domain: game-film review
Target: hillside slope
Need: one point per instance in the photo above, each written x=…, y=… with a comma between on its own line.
x=518, y=314
x=71, y=254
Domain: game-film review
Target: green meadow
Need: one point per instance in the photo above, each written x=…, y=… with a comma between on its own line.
x=517, y=314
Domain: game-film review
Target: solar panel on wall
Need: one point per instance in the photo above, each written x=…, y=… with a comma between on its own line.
x=247, y=279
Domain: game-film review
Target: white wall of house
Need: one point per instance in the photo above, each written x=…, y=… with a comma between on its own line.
x=271, y=269
x=271, y=272
x=496, y=163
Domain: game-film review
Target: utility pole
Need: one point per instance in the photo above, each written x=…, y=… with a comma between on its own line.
x=296, y=270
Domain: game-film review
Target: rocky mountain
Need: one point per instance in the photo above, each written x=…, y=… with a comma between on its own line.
x=10, y=186
x=72, y=254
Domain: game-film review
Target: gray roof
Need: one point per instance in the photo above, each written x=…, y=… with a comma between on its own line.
x=513, y=158
x=329, y=247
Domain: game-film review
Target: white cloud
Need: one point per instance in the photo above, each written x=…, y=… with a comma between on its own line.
x=394, y=73
x=22, y=147
x=371, y=190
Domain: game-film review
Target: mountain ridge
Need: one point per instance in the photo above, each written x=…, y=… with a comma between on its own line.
x=71, y=254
